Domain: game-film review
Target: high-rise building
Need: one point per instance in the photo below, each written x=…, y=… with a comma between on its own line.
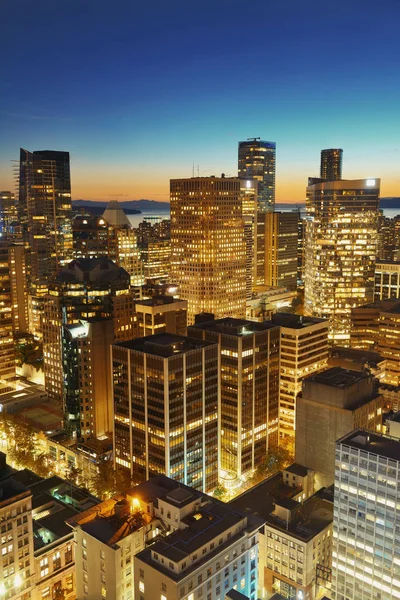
x=331, y=164
x=93, y=237
x=85, y=289
x=87, y=390
x=208, y=245
x=161, y=314
x=300, y=251
x=388, y=247
x=366, y=548
x=387, y=280
x=166, y=408
x=333, y=403
x=249, y=372
x=254, y=235
x=8, y=213
x=281, y=249
x=44, y=210
x=156, y=257
x=256, y=160
x=341, y=237
x=304, y=350
x=7, y=299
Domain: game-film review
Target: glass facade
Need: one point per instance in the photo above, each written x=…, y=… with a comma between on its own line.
x=340, y=251
x=331, y=164
x=256, y=160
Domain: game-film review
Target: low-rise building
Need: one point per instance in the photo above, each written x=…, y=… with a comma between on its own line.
x=295, y=545
x=161, y=314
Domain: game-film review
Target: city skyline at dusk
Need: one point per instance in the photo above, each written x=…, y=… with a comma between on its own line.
x=140, y=94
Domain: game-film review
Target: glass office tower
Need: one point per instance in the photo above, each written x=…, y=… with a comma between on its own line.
x=256, y=160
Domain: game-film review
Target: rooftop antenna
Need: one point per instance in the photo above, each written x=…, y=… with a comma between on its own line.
x=193, y=170
x=253, y=139
x=198, y=171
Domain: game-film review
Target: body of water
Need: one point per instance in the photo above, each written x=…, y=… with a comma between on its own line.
x=155, y=216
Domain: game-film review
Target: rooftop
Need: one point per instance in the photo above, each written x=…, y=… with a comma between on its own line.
x=164, y=344
x=374, y=443
x=338, y=377
x=232, y=326
x=295, y=321
x=297, y=469
x=159, y=300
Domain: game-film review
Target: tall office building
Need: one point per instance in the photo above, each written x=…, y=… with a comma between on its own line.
x=7, y=350
x=208, y=245
x=256, y=160
x=14, y=272
x=166, y=408
x=254, y=235
x=304, y=351
x=301, y=233
x=366, y=546
x=281, y=249
x=44, y=210
x=156, y=257
x=387, y=280
x=341, y=238
x=87, y=390
x=331, y=164
x=85, y=289
x=249, y=371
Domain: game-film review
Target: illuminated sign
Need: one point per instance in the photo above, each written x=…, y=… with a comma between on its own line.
x=370, y=182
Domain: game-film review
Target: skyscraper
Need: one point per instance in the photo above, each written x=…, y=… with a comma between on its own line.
x=366, y=546
x=166, y=408
x=249, y=371
x=257, y=161
x=281, y=249
x=44, y=210
x=208, y=245
x=8, y=213
x=331, y=164
x=340, y=250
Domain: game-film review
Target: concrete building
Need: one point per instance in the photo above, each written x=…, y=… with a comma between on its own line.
x=295, y=543
x=366, y=551
x=212, y=548
x=354, y=359
x=387, y=280
x=304, y=350
x=85, y=289
x=341, y=239
x=208, y=245
x=161, y=314
x=281, y=249
x=87, y=389
x=333, y=403
x=267, y=300
x=166, y=408
x=249, y=380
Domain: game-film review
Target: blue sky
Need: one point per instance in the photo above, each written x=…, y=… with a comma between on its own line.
x=137, y=91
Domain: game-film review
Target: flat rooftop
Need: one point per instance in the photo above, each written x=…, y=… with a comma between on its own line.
x=164, y=344
x=235, y=327
x=297, y=469
x=374, y=443
x=338, y=377
x=295, y=321
x=160, y=300
x=355, y=355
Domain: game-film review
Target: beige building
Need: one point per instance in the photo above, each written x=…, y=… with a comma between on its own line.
x=304, y=350
x=160, y=314
x=376, y=326
x=212, y=548
x=281, y=249
x=295, y=543
x=208, y=245
x=333, y=403
x=387, y=280
x=340, y=250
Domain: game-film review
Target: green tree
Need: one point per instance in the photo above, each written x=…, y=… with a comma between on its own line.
x=220, y=492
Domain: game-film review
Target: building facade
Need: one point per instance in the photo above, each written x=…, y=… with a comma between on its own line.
x=166, y=408
x=257, y=160
x=331, y=164
x=387, y=280
x=249, y=373
x=208, y=245
x=281, y=249
x=341, y=238
x=365, y=542
x=161, y=314
x=304, y=350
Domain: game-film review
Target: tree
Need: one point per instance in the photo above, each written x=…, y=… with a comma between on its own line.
x=220, y=492
x=276, y=459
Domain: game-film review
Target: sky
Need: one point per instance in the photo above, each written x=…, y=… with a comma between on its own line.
x=138, y=91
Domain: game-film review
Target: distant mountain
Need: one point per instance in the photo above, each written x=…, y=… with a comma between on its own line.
x=137, y=205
